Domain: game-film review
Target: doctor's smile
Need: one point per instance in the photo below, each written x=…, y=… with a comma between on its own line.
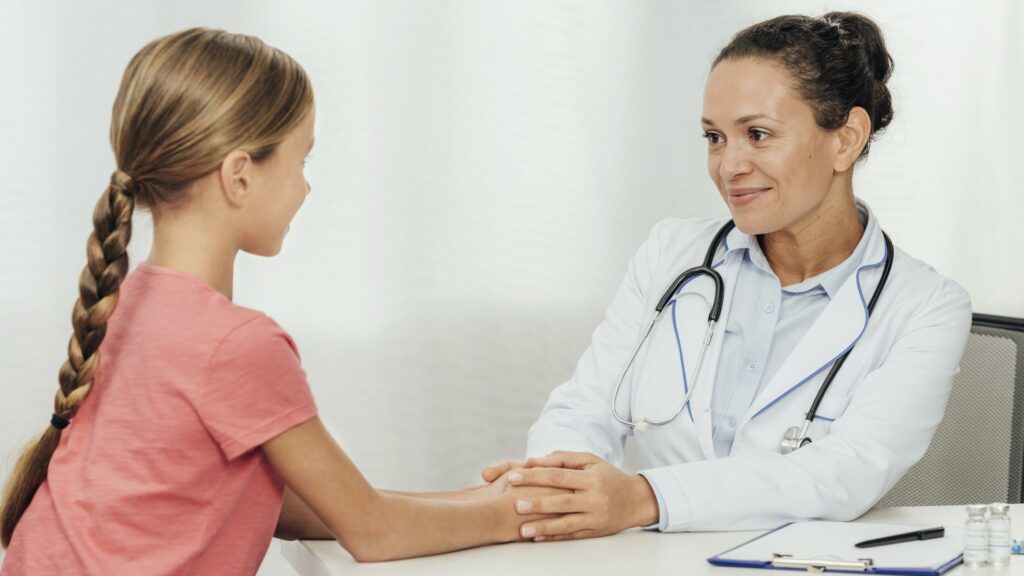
x=744, y=196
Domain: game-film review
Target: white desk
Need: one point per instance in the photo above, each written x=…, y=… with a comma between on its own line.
x=632, y=552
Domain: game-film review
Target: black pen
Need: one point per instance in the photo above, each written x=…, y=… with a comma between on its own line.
x=927, y=534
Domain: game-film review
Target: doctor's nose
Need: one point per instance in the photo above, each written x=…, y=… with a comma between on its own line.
x=734, y=162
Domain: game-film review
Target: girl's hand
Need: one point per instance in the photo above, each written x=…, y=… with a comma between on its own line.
x=598, y=499
x=497, y=470
x=488, y=490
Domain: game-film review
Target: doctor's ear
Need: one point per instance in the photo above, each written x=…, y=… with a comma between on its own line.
x=852, y=136
x=236, y=177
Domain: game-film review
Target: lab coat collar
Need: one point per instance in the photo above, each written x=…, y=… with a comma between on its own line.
x=836, y=330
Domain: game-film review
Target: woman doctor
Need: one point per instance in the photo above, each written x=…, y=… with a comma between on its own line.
x=790, y=106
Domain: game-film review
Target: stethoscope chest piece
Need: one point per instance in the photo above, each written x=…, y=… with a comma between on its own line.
x=795, y=437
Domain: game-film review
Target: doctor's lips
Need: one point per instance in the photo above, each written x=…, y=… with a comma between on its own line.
x=741, y=196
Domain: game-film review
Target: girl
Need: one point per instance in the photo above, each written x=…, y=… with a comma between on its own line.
x=180, y=417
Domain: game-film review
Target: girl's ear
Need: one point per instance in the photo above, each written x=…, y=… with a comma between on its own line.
x=235, y=177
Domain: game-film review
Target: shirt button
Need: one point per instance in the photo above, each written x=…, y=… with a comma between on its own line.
x=752, y=367
x=769, y=308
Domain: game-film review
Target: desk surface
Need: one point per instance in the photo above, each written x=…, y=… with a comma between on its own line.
x=632, y=552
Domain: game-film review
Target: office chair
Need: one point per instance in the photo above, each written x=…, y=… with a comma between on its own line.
x=977, y=453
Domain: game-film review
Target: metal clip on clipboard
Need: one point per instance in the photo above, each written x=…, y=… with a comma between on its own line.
x=818, y=565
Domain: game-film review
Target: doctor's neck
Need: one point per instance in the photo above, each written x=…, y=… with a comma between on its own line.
x=817, y=242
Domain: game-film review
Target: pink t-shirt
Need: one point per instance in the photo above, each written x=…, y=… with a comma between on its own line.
x=161, y=472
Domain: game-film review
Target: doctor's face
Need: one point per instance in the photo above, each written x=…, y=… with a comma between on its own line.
x=771, y=162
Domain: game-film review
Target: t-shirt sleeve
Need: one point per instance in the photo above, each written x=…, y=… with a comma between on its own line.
x=255, y=388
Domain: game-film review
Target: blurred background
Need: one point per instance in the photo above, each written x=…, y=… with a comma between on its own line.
x=484, y=170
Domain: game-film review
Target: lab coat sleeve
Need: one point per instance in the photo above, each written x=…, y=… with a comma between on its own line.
x=885, y=429
x=577, y=416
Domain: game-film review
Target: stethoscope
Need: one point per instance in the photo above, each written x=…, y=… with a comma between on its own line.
x=796, y=436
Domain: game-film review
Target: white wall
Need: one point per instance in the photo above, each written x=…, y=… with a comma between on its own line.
x=483, y=172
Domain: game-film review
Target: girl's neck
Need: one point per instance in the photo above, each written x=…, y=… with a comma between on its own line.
x=186, y=245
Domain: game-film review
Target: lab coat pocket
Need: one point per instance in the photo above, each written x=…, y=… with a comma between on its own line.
x=831, y=408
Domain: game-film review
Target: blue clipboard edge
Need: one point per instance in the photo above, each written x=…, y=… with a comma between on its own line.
x=716, y=560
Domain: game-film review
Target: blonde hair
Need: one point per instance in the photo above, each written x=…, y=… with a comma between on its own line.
x=186, y=100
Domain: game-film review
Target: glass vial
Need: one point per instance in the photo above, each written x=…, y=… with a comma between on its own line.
x=976, y=536
x=999, y=540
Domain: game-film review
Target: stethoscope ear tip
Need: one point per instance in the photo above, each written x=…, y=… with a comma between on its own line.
x=640, y=426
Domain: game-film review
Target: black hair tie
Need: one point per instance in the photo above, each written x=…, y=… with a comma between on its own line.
x=58, y=422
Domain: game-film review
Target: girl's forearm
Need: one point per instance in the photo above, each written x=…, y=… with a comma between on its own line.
x=405, y=526
x=464, y=494
x=373, y=525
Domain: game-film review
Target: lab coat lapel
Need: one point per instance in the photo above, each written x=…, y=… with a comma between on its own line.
x=690, y=316
x=834, y=332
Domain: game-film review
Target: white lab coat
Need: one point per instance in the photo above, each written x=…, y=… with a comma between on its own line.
x=878, y=416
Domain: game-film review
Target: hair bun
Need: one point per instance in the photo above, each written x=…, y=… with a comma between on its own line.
x=862, y=32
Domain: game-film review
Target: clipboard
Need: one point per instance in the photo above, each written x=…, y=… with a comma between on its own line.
x=819, y=546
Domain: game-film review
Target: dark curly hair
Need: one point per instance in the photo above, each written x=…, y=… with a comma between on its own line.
x=838, y=61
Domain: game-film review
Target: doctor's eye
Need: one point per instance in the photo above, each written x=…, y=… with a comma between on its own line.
x=758, y=135
x=712, y=137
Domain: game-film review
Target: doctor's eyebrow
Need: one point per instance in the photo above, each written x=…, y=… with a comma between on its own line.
x=743, y=119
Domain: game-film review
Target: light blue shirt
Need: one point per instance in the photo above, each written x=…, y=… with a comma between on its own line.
x=765, y=323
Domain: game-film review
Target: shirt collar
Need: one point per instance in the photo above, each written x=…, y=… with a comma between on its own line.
x=830, y=281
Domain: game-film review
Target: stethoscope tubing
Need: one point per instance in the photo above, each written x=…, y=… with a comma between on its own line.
x=706, y=269
x=812, y=412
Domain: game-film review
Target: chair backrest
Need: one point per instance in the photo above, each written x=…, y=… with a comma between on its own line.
x=977, y=453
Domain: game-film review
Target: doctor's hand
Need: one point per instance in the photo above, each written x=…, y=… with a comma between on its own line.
x=604, y=500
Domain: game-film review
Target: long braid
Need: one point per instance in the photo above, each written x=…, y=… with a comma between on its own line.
x=106, y=267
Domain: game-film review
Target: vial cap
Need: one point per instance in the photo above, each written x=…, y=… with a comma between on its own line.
x=999, y=508
x=976, y=509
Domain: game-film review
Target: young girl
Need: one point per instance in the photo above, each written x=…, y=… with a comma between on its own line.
x=181, y=417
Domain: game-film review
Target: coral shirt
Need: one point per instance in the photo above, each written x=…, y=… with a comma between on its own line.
x=161, y=472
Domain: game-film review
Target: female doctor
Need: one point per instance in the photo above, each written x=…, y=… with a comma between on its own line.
x=725, y=434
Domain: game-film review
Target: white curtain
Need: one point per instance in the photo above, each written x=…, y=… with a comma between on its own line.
x=483, y=172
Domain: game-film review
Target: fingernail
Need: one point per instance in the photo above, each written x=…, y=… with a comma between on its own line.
x=528, y=531
x=514, y=476
x=523, y=505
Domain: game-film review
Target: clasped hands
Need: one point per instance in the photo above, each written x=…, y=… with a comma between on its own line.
x=581, y=495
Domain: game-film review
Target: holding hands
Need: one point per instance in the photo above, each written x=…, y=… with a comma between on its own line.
x=583, y=496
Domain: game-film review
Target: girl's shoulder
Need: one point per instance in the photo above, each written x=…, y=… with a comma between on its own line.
x=177, y=311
